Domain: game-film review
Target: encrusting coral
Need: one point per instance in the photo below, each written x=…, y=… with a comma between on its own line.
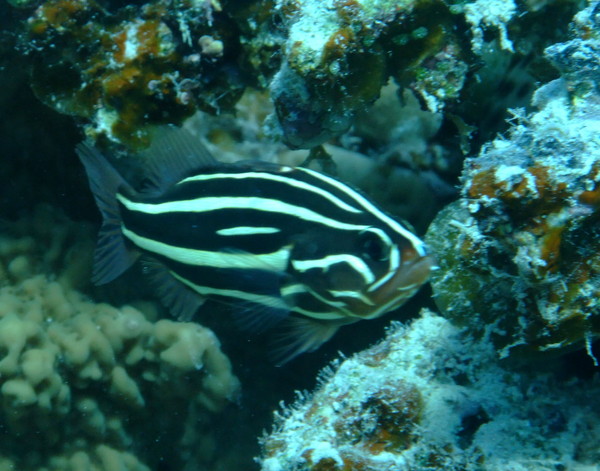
x=519, y=252
x=338, y=54
x=429, y=397
x=87, y=386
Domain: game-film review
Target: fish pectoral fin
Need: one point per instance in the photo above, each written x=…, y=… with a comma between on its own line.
x=181, y=301
x=298, y=335
x=268, y=308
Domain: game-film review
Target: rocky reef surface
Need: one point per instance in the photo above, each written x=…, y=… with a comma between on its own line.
x=119, y=69
x=519, y=249
x=431, y=397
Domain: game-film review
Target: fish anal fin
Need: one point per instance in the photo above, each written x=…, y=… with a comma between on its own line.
x=182, y=302
x=297, y=335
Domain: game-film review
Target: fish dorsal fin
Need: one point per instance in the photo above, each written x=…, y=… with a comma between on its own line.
x=175, y=153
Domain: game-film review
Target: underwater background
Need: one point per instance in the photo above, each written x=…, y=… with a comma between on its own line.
x=477, y=122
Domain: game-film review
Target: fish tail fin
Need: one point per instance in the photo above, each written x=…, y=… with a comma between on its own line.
x=112, y=256
x=298, y=335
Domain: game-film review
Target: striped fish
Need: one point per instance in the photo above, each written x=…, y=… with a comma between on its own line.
x=287, y=243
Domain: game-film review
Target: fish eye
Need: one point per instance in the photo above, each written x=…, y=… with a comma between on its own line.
x=372, y=246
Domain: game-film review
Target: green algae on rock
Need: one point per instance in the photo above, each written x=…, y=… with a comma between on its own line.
x=519, y=252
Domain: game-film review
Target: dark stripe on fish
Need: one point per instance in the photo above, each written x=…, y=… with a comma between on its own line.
x=282, y=183
x=200, y=230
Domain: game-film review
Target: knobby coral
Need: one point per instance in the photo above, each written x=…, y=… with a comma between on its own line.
x=90, y=386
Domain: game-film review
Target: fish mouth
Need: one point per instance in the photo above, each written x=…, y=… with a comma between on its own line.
x=404, y=284
x=415, y=273
x=392, y=294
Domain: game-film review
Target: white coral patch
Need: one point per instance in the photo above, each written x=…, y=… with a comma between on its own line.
x=325, y=451
x=317, y=20
x=104, y=120
x=131, y=43
x=511, y=175
x=508, y=172
x=490, y=13
x=308, y=35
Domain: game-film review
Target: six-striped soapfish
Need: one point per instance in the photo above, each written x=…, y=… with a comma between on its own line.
x=284, y=243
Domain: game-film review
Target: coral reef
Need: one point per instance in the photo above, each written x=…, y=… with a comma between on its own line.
x=518, y=279
x=429, y=397
x=337, y=55
x=126, y=70
x=519, y=251
x=122, y=69
x=89, y=386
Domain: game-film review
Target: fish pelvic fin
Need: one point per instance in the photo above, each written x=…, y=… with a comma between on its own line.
x=298, y=335
x=112, y=256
